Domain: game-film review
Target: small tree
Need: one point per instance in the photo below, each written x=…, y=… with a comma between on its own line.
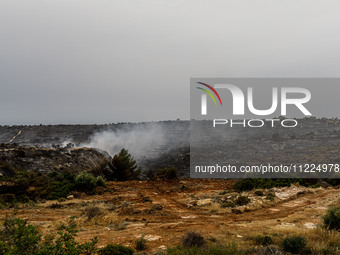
x=124, y=167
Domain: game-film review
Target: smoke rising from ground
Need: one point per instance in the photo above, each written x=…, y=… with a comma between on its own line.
x=139, y=141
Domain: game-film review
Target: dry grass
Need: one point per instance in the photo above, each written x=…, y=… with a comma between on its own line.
x=106, y=219
x=319, y=240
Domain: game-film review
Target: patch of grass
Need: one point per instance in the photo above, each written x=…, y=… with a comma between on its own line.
x=215, y=249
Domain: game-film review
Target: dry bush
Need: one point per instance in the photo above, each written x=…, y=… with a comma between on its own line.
x=105, y=218
x=93, y=211
x=193, y=239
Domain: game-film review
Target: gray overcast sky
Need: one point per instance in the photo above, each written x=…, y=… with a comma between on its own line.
x=103, y=61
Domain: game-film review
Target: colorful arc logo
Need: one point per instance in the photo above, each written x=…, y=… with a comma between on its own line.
x=209, y=93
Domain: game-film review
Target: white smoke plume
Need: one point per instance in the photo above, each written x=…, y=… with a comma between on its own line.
x=140, y=141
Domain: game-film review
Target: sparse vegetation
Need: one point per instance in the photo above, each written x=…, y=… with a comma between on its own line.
x=124, y=167
x=108, y=213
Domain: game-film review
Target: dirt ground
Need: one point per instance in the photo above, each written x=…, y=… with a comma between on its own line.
x=163, y=211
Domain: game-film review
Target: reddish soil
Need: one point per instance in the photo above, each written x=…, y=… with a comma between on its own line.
x=165, y=210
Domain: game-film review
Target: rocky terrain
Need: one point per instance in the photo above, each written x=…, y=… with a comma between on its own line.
x=47, y=160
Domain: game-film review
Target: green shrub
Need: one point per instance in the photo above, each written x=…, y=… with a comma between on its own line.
x=3, y=248
x=263, y=240
x=270, y=196
x=242, y=200
x=6, y=169
x=19, y=237
x=100, y=182
x=167, y=173
x=85, y=182
x=140, y=244
x=65, y=243
x=27, y=186
x=259, y=193
x=115, y=249
x=193, y=239
x=294, y=244
x=244, y=185
x=124, y=167
x=8, y=199
x=332, y=218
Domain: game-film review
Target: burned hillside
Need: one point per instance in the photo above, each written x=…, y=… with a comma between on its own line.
x=47, y=148
x=157, y=145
